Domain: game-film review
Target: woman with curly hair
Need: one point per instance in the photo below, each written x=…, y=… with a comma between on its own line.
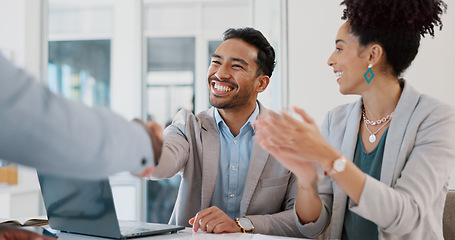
x=387, y=157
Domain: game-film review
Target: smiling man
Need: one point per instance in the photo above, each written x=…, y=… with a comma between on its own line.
x=229, y=183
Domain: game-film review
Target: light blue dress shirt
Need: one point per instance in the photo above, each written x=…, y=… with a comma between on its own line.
x=233, y=166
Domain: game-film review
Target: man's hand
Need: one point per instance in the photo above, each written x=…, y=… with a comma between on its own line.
x=13, y=233
x=156, y=135
x=214, y=220
x=155, y=132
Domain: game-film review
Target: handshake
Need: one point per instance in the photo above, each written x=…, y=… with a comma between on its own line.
x=155, y=132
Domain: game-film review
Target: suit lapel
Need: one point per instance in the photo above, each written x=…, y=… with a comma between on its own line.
x=210, y=157
x=258, y=160
x=347, y=149
x=403, y=112
x=352, y=131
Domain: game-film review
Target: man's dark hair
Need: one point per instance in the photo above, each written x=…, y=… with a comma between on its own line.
x=396, y=25
x=266, y=55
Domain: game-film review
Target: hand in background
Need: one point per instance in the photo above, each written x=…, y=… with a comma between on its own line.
x=13, y=233
x=214, y=220
x=155, y=132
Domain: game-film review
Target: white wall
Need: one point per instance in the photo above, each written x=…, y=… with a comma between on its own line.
x=12, y=29
x=126, y=98
x=432, y=71
x=312, y=29
x=19, y=39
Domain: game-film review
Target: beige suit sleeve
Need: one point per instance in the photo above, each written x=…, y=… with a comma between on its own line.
x=176, y=148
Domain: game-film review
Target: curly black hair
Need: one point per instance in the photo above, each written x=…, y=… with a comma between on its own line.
x=266, y=53
x=396, y=25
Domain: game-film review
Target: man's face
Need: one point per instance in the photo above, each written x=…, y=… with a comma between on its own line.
x=232, y=77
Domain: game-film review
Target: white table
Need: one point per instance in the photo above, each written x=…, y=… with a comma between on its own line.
x=187, y=234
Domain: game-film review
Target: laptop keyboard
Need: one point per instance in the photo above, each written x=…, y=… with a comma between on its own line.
x=131, y=230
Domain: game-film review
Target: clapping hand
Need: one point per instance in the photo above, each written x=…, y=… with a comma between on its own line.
x=298, y=145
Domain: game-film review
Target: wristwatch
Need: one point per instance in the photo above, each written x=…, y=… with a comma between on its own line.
x=338, y=166
x=245, y=224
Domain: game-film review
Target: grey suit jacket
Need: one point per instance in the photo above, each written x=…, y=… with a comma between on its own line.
x=58, y=136
x=192, y=146
x=419, y=156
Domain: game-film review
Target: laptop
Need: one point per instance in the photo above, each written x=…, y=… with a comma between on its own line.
x=87, y=207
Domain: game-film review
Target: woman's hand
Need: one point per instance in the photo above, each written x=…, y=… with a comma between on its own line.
x=296, y=144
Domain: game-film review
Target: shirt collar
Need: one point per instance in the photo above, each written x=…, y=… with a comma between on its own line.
x=251, y=120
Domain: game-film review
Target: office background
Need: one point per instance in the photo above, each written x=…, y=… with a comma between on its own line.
x=148, y=58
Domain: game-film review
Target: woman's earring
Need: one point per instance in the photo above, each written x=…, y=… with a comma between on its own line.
x=369, y=75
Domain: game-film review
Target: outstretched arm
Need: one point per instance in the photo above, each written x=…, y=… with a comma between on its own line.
x=55, y=135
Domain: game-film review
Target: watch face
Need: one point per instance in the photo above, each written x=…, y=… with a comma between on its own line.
x=245, y=223
x=339, y=165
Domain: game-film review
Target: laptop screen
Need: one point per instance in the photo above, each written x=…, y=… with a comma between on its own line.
x=80, y=206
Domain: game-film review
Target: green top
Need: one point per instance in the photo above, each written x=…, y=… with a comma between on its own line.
x=355, y=226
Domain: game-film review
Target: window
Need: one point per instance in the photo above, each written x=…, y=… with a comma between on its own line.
x=80, y=70
x=170, y=77
x=79, y=49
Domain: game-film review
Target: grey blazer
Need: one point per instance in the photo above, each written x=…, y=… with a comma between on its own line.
x=58, y=136
x=192, y=148
x=419, y=156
